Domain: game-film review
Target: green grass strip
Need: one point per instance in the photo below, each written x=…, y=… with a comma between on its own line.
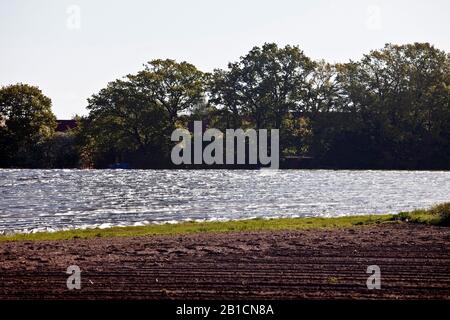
x=437, y=215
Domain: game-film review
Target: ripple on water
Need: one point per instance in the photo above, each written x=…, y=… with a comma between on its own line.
x=36, y=200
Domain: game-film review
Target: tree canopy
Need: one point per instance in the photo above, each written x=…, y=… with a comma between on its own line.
x=26, y=121
x=390, y=109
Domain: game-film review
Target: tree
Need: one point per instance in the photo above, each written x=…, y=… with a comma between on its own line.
x=61, y=150
x=324, y=91
x=177, y=87
x=27, y=121
x=133, y=118
x=401, y=96
x=223, y=88
x=265, y=84
x=126, y=122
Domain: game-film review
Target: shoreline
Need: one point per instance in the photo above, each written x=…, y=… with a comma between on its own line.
x=188, y=227
x=438, y=215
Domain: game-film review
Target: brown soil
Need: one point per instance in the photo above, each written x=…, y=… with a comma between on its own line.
x=313, y=264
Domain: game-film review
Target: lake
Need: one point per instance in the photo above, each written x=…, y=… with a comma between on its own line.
x=38, y=200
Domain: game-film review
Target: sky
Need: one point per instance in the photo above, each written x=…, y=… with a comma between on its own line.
x=72, y=49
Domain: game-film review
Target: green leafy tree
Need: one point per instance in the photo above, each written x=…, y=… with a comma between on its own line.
x=401, y=96
x=126, y=123
x=61, y=150
x=26, y=121
x=268, y=83
x=224, y=93
x=177, y=87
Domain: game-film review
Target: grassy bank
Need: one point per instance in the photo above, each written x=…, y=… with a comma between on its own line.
x=437, y=215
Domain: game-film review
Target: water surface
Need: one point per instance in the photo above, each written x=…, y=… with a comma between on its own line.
x=34, y=200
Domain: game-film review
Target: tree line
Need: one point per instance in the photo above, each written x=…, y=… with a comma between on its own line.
x=388, y=110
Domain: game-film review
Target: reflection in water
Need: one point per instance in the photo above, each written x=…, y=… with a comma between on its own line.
x=32, y=200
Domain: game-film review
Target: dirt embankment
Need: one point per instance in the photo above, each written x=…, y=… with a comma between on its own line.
x=414, y=262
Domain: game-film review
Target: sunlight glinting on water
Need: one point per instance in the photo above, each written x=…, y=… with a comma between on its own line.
x=35, y=200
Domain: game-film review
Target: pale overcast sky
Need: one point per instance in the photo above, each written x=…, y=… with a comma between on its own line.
x=72, y=49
